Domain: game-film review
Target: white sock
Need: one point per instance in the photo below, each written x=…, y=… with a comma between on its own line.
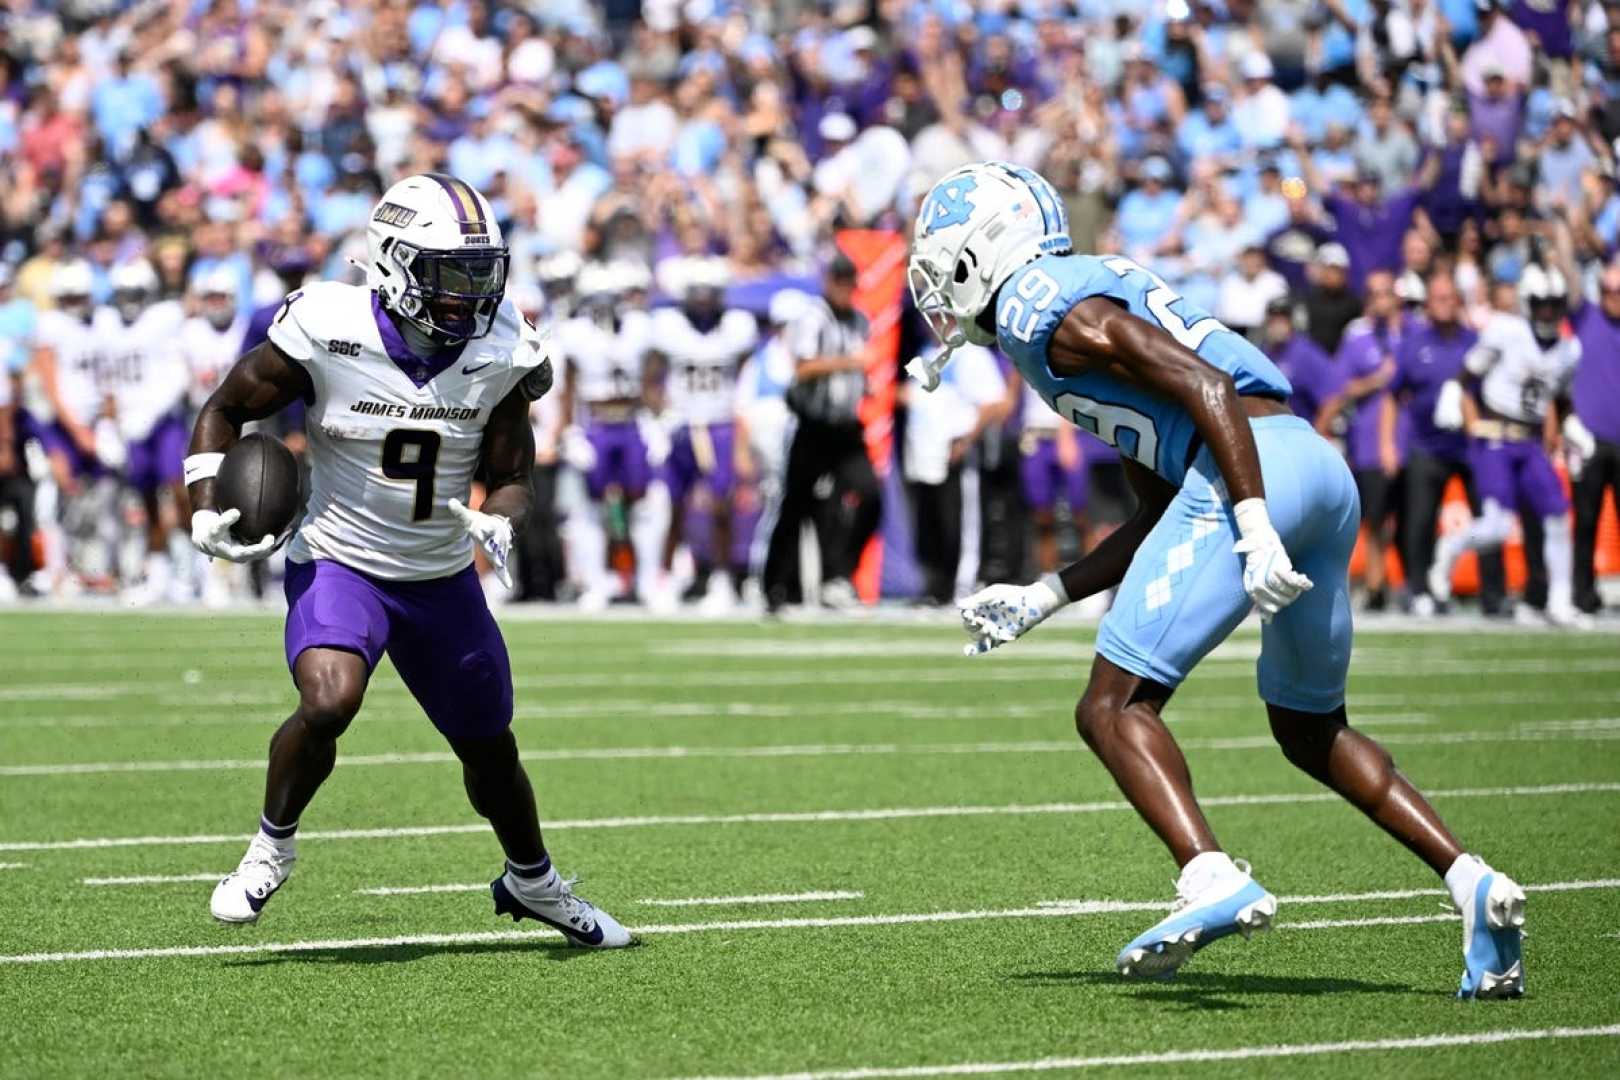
x=1559, y=550
x=649, y=526
x=1206, y=868
x=587, y=542
x=1463, y=876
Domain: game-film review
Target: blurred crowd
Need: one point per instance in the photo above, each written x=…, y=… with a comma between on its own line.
x=1348, y=181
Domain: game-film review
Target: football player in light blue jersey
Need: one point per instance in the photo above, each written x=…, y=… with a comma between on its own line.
x=1242, y=505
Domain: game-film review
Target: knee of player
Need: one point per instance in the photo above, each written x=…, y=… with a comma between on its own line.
x=1093, y=718
x=329, y=698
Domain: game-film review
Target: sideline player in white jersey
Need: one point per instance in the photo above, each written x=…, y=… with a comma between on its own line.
x=144, y=377
x=211, y=342
x=413, y=381
x=606, y=431
x=703, y=345
x=64, y=409
x=1513, y=378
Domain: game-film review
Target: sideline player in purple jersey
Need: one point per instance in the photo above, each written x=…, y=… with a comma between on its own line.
x=413, y=381
x=1233, y=489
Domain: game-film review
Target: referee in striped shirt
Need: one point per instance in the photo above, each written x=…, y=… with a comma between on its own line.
x=828, y=345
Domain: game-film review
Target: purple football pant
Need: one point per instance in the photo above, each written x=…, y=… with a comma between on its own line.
x=701, y=455
x=439, y=633
x=159, y=459
x=700, y=458
x=1517, y=474
x=621, y=459
x=55, y=441
x=1044, y=479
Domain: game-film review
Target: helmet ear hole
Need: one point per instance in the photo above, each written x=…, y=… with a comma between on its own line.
x=961, y=274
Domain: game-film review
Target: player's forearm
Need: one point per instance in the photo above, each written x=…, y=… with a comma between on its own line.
x=1105, y=566
x=821, y=366
x=511, y=499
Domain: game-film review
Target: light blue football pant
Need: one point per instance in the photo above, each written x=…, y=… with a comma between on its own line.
x=1183, y=593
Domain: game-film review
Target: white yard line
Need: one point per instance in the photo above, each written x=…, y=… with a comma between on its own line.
x=13, y=866
x=1598, y=731
x=1191, y=1057
x=418, y=890
x=1381, y=894
x=757, y=898
x=1377, y=920
x=152, y=879
x=1038, y=911
x=696, y=901
x=790, y=817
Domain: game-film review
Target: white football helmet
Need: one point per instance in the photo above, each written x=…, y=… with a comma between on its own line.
x=1545, y=296
x=135, y=287
x=975, y=228
x=216, y=293
x=436, y=257
x=72, y=284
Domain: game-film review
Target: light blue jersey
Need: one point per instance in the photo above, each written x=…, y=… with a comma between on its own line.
x=1183, y=593
x=1142, y=425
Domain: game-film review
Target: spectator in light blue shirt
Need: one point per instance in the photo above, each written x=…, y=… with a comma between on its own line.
x=123, y=103
x=1209, y=132
x=1147, y=214
x=1322, y=102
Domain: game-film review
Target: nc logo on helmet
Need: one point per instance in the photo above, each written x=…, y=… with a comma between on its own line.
x=948, y=205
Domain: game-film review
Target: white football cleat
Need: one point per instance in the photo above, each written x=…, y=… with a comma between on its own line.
x=1439, y=582
x=1493, y=932
x=1569, y=618
x=576, y=918
x=242, y=894
x=1209, y=906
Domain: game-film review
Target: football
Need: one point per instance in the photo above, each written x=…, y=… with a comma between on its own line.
x=259, y=477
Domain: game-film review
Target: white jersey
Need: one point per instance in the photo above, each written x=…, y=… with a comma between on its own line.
x=74, y=344
x=387, y=454
x=140, y=365
x=1038, y=415
x=1518, y=378
x=607, y=364
x=210, y=353
x=702, y=379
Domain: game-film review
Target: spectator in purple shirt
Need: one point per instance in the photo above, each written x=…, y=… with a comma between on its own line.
x=1369, y=224
x=1428, y=356
x=1366, y=362
x=1309, y=370
x=1595, y=395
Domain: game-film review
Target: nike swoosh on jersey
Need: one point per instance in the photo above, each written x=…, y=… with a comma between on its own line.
x=470, y=369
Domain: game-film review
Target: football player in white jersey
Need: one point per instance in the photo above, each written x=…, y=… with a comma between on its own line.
x=606, y=431
x=413, y=381
x=64, y=407
x=145, y=378
x=1513, y=377
x=211, y=341
x=702, y=346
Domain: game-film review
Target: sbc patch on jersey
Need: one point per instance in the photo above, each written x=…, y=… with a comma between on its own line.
x=949, y=205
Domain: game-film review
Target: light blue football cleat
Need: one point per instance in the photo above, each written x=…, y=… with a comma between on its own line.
x=1210, y=905
x=1493, y=928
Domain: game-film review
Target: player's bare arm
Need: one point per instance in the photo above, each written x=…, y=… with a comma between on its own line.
x=507, y=463
x=262, y=383
x=1104, y=566
x=1098, y=334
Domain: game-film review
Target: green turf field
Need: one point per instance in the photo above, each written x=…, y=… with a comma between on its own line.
x=970, y=870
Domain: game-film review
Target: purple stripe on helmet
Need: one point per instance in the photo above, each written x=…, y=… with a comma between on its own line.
x=469, y=210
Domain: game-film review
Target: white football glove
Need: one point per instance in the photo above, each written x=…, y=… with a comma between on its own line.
x=1003, y=613
x=1269, y=576
x=577, y=449
x=1579, y=445
x=211, y=533
x=1448, y=406
x=492, y=532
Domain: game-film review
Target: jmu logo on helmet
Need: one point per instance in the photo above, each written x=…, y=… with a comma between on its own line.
x=949, y=205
